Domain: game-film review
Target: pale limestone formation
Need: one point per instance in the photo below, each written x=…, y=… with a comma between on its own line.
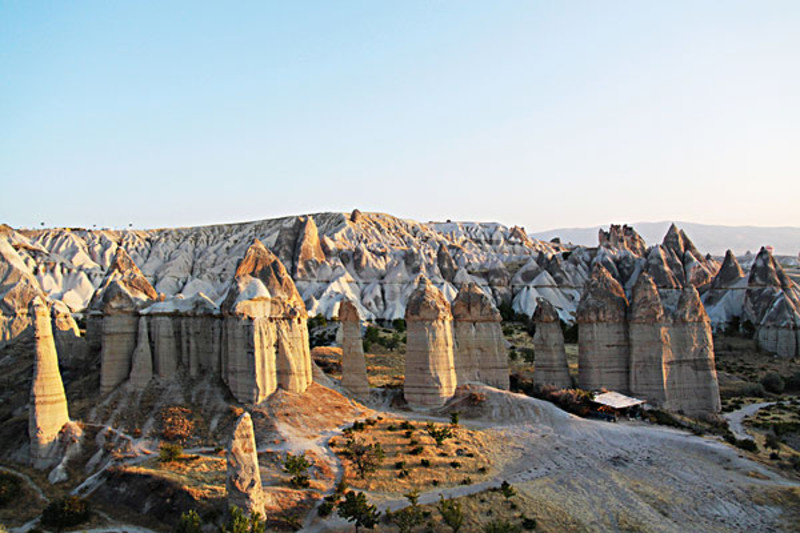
x=603, y=352
x=264, y=334
x=18, y=288
x=142, y=364
x=548, y=344
x=480, y=352
x=243, y=481
x=354, y=367
x=116, y=305
x=649, y=342
x=691, y=375
x=430, y=377
x=48, y=412
x=624, y=237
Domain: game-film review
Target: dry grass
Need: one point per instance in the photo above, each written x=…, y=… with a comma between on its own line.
x=463, y=459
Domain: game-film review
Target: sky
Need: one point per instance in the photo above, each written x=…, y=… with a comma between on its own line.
x=538, y=113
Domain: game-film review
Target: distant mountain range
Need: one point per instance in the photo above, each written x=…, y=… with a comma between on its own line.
x=707, y=238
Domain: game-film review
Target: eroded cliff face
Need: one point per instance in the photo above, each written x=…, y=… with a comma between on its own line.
x=480, y=352
x=48, y=407
x=548, y=342
x=264, y=335
x=691, y=375
x=354, y=367
x=430, y=376
x=603, y=349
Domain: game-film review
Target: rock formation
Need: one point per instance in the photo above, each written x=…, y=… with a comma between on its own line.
x=649, y=339
x=264, y=337
x=548, y=345
x=430, y=376
x=18, y=288
x=691, y=375
x=142, y=359
x=243, y=481
x=480, y=352
x=724, y=299
x=622, y=237
x=48, y=411
x=445, y=263
x=603, y=352
x=115, y=306
x=354, y=367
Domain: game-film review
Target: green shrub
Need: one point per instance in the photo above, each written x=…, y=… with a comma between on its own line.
x=439, y=434
x=773, y=382
x=66, y=512
x=452, y=513
x=238, y=522
x=297, y=466
x=325, y=508
x=170, y=452
x=9, y=488
x=501, y=526
x=189, y=523
x=399, y=325
x=355, y=508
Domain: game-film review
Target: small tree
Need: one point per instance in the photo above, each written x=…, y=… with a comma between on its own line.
x=439, y=434
x=170, y=452
x=365, y=457
x=507, y=490
x=297, y=466
x=189, y=523
x=408, y=518
x=501, y=526
x=452, y=513
x=241, y=523
x=355, y=508
x=454, y=418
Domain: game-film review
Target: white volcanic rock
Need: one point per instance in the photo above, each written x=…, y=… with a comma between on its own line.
x=658, y=267
x=142, y=359
x=603, y=350
x=650, y=344
x=691, y=375
x=724, y=299
x=778, y=331
x=354, y=366
x=115, y=306
x=264, y=333
x=430, y=376
x=69, y=343
x=243, y=480
x=18, y=288
x=480, y=352
x=548, y=342
x=48, y=406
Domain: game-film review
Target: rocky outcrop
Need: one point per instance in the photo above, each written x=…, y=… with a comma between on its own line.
x=548, y=344
x=298, y=247
x=18, y=288
x=691, y=375
x=264, y=333
x=243, y=481
x=603, y=351
x=165, y=346
x=48, y=406
x=142, y=359
x=624, y=237
x=659, y=268
x=430, y=376
x=650, y=344
x=354, y=367
x=724, y=300
x=480, y=352
x=779, y=331
x=69, y=343
x=445, y=262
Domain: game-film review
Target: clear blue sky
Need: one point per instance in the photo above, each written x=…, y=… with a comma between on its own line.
x=545, y=114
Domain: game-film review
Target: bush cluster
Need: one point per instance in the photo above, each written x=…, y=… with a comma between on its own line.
x=66, y=512
x=9, y=488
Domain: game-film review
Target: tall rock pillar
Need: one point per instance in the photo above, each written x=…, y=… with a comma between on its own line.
x=243, y=480
x=354, y=366
x=548, y=345
x=649, y=341
x=430, y=378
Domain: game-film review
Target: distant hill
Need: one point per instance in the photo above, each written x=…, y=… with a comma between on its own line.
x=707, y=238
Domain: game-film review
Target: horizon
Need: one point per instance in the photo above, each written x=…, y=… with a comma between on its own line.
x=541, y=115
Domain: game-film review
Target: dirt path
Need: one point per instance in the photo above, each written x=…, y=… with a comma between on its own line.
x=735, y=419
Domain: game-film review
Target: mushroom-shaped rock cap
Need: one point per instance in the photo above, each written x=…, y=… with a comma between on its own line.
x=646, y=305
x=473, y=305
x=603, y=298
x=261, y=264
x=348, y=312
x=729, y=273
x=690, y=308
x=545, y=312
x=124, y=286
x=427, y=303
x=38, y=309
